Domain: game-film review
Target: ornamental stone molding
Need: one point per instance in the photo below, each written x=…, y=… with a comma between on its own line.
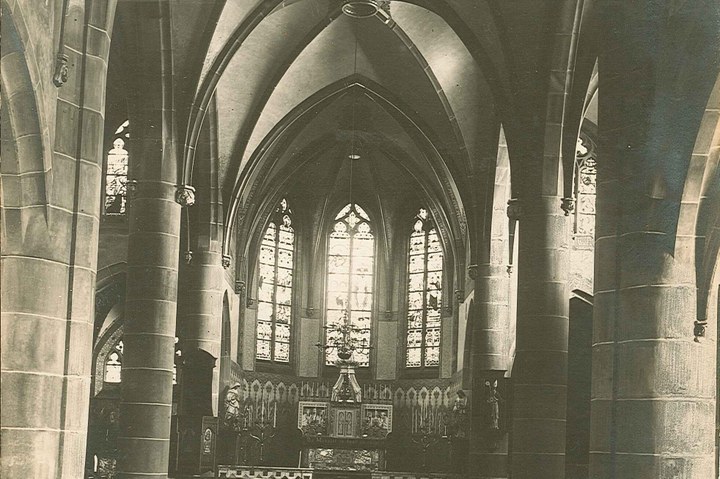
x=514, y=209
x=567, y=205
x=459, y=295
x=185, y=195
x=699, y=331
x=60, y=75
x=472, y=271
x=131, y=186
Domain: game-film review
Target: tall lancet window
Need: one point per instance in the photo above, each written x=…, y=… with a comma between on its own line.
x=116, y=172
x=425, y=262
x=351, y=255
x=275, y=281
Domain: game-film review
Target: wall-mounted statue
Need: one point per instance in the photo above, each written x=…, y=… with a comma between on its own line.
x=232, y=417
x=492, y=424
x=493, y=405
x=458, y=421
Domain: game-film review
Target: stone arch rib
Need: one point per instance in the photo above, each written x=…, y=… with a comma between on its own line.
x=26, y=156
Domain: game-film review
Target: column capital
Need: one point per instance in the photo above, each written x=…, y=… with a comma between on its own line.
x=60, y=75
x=131, y=186
x=514, y=209
x=185, y=195
x=226, y=261
x=567, y=205
x=699, y=331
x=188, y=255
x=472, y=271
x=239, y=286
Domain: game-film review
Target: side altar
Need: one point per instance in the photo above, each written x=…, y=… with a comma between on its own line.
x=345, y=433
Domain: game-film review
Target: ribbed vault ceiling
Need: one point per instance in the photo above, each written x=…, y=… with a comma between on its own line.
x=425, y=89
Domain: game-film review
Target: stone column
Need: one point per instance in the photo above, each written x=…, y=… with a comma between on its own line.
x=153, y=252
x=49, y=233
x=149, y=330
x=201, y=314
x=540, y=368
x=653, y=385
x=489, y=362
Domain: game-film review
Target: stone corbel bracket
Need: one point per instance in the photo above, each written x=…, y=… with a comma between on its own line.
x=185, y=195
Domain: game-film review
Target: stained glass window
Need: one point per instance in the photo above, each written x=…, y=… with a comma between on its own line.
x=351, y=258
x=585, y=190
x=275, y=281
x=116, y=172
x=113, y=364
x=425, y=263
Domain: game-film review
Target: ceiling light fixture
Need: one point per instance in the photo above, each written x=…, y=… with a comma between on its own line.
x=361, y=8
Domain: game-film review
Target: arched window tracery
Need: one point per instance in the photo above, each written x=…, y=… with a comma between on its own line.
x=424, y=299
x=350, y=276
x=275, y=283
x=113, y=364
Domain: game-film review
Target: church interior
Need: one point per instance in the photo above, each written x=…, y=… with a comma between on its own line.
x=377, y=239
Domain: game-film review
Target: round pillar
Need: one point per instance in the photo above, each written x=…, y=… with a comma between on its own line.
x=200, y=316
x=540, y=368
x=488, y=454
x=149, y=331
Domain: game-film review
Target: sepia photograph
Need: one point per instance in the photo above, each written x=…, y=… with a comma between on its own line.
x=359, y=239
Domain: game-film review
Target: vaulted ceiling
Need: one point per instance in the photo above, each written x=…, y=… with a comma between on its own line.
x=424, y=88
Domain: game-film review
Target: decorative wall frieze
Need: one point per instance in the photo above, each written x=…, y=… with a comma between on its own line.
x=256, y=387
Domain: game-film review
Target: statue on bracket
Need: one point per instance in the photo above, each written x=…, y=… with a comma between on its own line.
x=232, y=416
x=458, y=420
x=492, y=413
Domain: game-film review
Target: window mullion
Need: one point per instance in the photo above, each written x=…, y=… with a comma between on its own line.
x=350, y=275
x=274, y=298
x=426, y=291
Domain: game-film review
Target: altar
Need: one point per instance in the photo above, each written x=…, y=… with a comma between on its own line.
x=344, y=433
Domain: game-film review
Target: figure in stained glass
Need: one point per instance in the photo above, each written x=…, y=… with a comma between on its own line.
x=351, y=257
x=116, y=172
x=424, y=300
x=275, y=278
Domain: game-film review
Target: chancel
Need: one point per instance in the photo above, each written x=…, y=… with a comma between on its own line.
x=368, y=239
